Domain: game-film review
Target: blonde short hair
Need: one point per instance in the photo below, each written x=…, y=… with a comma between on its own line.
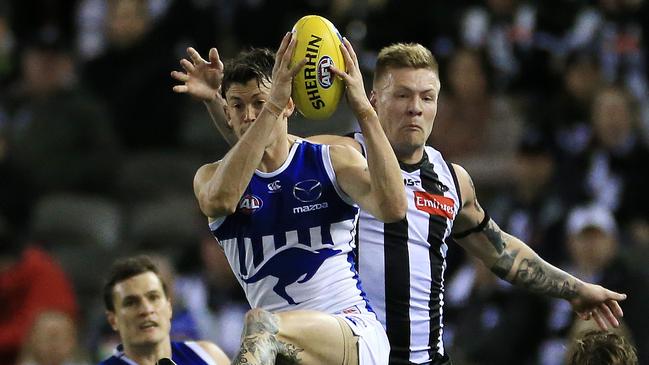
x=404, y=55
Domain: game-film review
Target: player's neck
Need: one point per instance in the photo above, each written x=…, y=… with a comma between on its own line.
x=276, y=154
x=410, y=156
x=150, y=354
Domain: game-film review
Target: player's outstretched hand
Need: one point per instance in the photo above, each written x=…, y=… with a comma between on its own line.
x=598, y=303
x=201, y=79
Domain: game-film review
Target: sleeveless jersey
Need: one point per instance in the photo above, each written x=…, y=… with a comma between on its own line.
x=182, y=353
x=290, y=241
x=402, y=264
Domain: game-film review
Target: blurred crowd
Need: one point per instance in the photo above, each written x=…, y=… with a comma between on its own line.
x=544, y=103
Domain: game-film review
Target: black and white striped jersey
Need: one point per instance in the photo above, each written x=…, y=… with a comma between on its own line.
x=402, y=264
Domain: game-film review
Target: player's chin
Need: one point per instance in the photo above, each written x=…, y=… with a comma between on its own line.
x=150, y=336
x=413, y=137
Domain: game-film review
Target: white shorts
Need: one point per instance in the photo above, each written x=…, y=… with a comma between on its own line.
x=373, y=344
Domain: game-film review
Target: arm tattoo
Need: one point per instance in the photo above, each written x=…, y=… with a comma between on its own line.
x=495, y=236
x=504, y=264
x=540, y=277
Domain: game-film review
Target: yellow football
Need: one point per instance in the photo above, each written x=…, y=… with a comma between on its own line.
x=316, y=91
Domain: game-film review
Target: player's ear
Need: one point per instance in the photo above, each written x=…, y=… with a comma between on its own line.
x=373, y=98
x=290, y=108
x=112, y=319
x=228, y=119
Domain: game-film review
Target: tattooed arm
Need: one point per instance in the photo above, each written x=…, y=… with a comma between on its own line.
x=512, y=260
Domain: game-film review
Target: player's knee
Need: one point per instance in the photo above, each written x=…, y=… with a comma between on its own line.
x=258, y=320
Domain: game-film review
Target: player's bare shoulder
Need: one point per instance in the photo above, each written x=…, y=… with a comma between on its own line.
x=204, y=173
x=467, y=190
x=345, y=155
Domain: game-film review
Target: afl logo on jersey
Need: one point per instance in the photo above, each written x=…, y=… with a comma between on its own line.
x=249, y=204
x=307, y=190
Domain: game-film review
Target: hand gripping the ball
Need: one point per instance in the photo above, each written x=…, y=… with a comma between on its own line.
x=353, y=78
x=283, y=73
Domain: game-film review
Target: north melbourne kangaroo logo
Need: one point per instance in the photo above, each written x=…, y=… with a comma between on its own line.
x=290, y=265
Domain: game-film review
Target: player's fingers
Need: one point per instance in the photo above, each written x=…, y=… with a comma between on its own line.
x=280, y=51
x=599, y=319
x=608, y=315
x=282, y=46
x=215, y=59
x=188, y=66
x=348, y=46
x=338, y=72
x=180, y=76
x=615, y=295
x=286, y=58
x=195, y=56
x=349, y=62
x=297, y=67
x=181, y=89
x=615, y=307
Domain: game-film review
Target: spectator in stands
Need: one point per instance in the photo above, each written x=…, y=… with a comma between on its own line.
x=52, y=341
x=474, y=126
x=594, y=248
x=30, y=282
x=57, y=133
x=532, y=208
x=611, y=170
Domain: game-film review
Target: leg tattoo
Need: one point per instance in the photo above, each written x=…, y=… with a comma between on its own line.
x=260, y=345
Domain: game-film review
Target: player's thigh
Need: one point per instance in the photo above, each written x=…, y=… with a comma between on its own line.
x=318, y=335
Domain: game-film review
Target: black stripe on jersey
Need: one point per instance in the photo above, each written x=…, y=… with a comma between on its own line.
x=397, y=289
x=257, y=251
x=457, y=187
x=242, y=256
x=436, y=229
x=358, y=137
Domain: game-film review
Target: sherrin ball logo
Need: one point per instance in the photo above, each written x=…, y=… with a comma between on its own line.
x=316, y=91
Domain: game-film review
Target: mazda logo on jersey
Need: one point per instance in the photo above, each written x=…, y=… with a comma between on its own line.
x=307, y=190
x=435, y=204
x=249, y=204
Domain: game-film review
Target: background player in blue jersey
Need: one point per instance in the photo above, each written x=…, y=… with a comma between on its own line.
x=283, y=211
x=138, y=308
x=405, y=93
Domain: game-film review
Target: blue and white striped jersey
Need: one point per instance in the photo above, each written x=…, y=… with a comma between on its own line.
x=290, y=241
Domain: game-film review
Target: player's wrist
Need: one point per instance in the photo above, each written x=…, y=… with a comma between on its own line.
x=273, y=107
x=366, y=114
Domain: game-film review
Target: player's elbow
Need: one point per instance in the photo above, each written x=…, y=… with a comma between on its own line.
x=217, y=206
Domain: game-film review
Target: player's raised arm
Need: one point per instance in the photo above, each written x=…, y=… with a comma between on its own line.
x=219, y=186
x=377, y=184
x=202, y=80
x=514, y=261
